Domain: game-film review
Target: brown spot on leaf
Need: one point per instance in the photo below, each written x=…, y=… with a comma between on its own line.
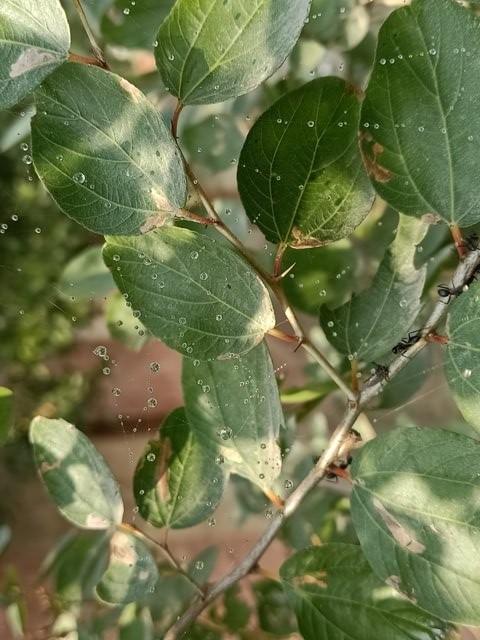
x=318, y=578
x=353, y=89
x=303, y=241
x=370, y=158
x=154, y=222
x=401, y=534
x=163, y=469
x=122, y=550
x=45, y=467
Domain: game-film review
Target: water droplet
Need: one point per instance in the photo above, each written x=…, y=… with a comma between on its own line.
x=151, y=457
x=310, y=123
x=100, y=351
x=79, y=178
x=27, y=159
x=116, y=257
x=383, y=61
x=194, y=255
x=467, y=373
x=288, y=484
x=199, y=564
x=212, y=522
x=116, y=391
x=330, y=324
x=126, y=11
x=155, y=367
x=182, y=321
x=403, y=303
x=219, y=459
x=106, y=371
x=225, y=433
x=204, y=276
x=152, y=403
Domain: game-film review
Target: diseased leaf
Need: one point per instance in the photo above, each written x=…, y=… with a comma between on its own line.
x=213, y=50
x=104, y=152
x=131, y=574
x=234, y=409
x=6, y=413
x=134, y=25
x=34, y=40
x=75, y=475
x=371, y=323
x=300, y=174
x=336, y=595
x=415, y=510
x=197, y=296
x=177, y=483
x=461, y=355
x=420, y=119
x=86, y=275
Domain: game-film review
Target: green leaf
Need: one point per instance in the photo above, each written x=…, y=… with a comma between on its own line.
x=76, y=565
x=237, y=612
x=318, y=277
x=5, y=537
x=338, y=25
x=34, y=40
x=309, y=393
x=135, y=623
x=371, y=323
x=86, y=275
x=104, y=152
x=213, y=50
x=123, y=325
x=323, y=515
x=213, y=143
x=197, y=296
x=460, y=359
x=336, y=595
x=75, y=475
x=414, y=508
x=328, y=194
x=131, y=574
x=274, y=610
x=234, y=409
x=135, y=25
x=176, y=483
x=6, y=413
x=420, y=120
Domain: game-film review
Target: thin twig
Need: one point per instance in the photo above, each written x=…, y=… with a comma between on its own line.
x=96, y=50
x=175, y=117
x=84, y=60
x=462, y=275
x=171, y=558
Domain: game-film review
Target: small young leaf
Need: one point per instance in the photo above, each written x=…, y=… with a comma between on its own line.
x=131, y=574
x=336, y=595
x=212, y=50
x=6, y=410
x=415, y=510
x=461, y=356
x=138, y=27
x=420, y=121
x=75, y=475
x=34, y=40
x=221, y=306
x=123, y=325
x=234, y=409
x=177, y=484
x=325, y=194
x=86, y=275
x=371, y=323
x=104, y=152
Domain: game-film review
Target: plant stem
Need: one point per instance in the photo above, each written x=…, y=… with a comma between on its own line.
x=175, y=117
x=76, y=58
x=97, y=51
x=462, y=275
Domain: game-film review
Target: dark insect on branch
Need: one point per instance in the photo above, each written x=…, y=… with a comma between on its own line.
x=381, y=371
x=446, y=293
x=405, y=344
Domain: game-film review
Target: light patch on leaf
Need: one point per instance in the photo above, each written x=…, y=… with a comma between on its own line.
x=122, y=550
x=154, y=222
x=374, y=169
x=30, y=59
x=95, y=521
x=131, y=89
x=303, y=241
x=144, y=575
x=163, y=470
x=318, y=578
x=45, y=467
x=404, y=538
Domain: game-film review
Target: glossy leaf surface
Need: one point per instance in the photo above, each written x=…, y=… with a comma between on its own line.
x=197, y=296
x=34, y=40
x=131, y=573
x=415, y=510
x=420, y=119
x=234, y=408
x=75, y=475
x=461, y=356
x=213, y=50
x=104, y=152
x=372, y=322
x=337, y=596
x=300, y=174
x=177, y=483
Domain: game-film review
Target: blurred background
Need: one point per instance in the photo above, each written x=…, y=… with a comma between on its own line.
x=70, y=348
